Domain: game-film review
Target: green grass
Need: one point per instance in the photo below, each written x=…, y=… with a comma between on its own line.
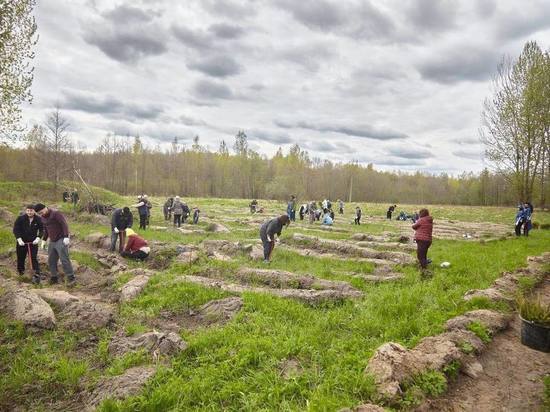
x=86, y=259
x=237, y=366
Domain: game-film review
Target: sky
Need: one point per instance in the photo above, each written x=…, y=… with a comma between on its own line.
x=399, y=84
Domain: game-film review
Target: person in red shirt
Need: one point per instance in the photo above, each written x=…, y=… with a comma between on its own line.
x=423, y=237
x=136, y=246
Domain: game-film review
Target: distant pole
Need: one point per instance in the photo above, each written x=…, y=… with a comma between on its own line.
x=350, y=188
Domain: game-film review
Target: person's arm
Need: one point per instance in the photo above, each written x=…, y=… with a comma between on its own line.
x=114, y=219
x=271, y=230
x=129, y=243
x=40, y=227
x=417, y=224
x=138, y=204
x=17, y=230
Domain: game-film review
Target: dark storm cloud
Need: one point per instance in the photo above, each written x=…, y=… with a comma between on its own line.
x=226, y=31
x=207, y=89
x=365, y=131
x=469, y=154
x=432, y=15
x=217, y=66
x=410, y=153
x=195, y=39
x=269, y=136
x=127, y=45
x=459, y=64
x=125, y=14
x=108, y=105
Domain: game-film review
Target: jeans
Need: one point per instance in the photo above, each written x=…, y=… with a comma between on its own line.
x=422, y=247
x=22, y=252
x=143, y=222
x=56, y=251
x=116, y=236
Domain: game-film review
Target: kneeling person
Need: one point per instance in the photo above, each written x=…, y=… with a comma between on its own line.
x=136, y=246
x=28, y=230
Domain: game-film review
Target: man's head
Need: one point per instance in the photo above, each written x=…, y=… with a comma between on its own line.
x=423, y=213
x=284, y=219
x=41, y=209
x=29, y=210
x=126, y=210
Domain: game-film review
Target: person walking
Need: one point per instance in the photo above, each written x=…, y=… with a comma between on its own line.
x=268, y=232
x=423, y=237
x=186, y=212
x=136, y=247
x=121, y=220
x=291, y=208
x=56, y=230
x=358, y=214
x=177, y=210
x=390, y=211
x=340, y=206
x=167, y=208
x=28, y=229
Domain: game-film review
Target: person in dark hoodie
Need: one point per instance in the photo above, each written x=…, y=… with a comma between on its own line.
x=57, y=231
x=122, y=219
x=268, y=232
x=423, y=236
x=28, y=230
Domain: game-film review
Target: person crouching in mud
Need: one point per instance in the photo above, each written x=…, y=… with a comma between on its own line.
x=423, y=237
x=269, y=230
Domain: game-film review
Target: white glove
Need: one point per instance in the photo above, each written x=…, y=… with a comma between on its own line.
x=35, y=241
x=116, y=230
x=43, y=244
x=66, y=241
x=20, y=242
x=268, y=239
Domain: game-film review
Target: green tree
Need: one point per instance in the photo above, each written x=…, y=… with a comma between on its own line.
x=17, y=39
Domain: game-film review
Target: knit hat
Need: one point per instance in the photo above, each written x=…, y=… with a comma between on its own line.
x=39, y=206
x=130, y=232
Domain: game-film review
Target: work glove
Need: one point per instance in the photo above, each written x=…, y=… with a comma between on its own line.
x=43, y=244
x=66, y=241
x=116, y=230
x=20, y=242
x=35, y=241
x=268, y=239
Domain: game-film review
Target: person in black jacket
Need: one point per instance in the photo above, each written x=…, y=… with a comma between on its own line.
x=28, y=229
x=122, y=219
x=269, y=230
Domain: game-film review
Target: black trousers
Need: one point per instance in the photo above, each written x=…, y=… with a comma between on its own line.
x=177, y=220
x=422, y=247
x=22, y=252
x=137, y=255
x=357, y=220
x=143, y=222
x=518, y=228
x=388, y=215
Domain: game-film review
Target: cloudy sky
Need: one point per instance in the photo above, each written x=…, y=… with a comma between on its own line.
x=396, y=83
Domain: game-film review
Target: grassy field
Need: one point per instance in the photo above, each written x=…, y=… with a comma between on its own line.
x=239, y=365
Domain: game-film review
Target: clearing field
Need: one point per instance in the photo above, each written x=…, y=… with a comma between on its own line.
x=205, y=324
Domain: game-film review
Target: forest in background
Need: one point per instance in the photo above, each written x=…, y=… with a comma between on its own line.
x=124, y=165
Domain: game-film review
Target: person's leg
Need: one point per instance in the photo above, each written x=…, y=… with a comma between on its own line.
x=52, y=262
x=421, y=252
x=267, y=249
x=21, y=256
x=63, y=252
x=122, y=241
x=359, y=221
x=34, y=259
x=518, y=229
x=142, y=219
x=114, y=238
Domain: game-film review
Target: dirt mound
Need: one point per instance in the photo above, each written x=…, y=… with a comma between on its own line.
x=86, y=315
x=98, y=240
x=122, y=386
x=217, y=228
x=187, y=254
x=220, y=310
x=27, y=307
x=156, y=343
x=6, y=215
x=133, y=288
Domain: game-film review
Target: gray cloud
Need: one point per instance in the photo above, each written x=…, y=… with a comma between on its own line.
x=269, y=136
x=128, y=14
x=365, y=131
x=127, y=45
x=207, y=89
x=190, y=121
x=194, y=39
x=108, y=105
x=432, y=15
x=466, y=140
x=309, y=56
x=327, y=147
x=217, y=66
x=526, y=19
x=230, y=8
x=469, y=154
x=226, y=31
x=458, y=64
x=410, y=153
x=399, y=162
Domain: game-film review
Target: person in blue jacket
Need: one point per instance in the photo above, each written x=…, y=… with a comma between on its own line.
x=520, y=219
x=528, y=211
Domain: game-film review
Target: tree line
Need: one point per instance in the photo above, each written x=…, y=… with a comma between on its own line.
x=125, y=165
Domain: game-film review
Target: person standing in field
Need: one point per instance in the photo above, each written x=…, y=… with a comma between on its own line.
x=268, y=232
x=143, y=211
x=196, y=213
x=167, y=208
x=291, y=208
x=311, y=211
x=340, y=206
x=358, y=213
x=520, y=219
x=28, y=230
x=528, y=212
x=121, y=220
x=423, y=237
x=56, y=230
x=390, y=211
x=177, y=209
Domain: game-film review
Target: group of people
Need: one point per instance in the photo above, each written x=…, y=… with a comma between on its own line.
x=177, y=207
x=72, y=197
x=523, y=218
